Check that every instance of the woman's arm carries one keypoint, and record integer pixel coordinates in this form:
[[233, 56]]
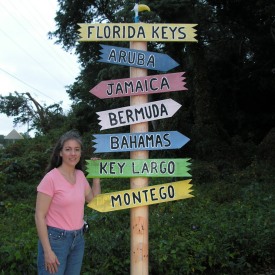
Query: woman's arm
[[95, 190], [43, 202], [92, 192]]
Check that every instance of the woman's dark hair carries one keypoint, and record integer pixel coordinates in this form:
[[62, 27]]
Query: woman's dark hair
[[56, 159]]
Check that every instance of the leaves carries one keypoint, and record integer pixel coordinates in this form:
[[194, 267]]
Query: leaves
[[26, 109]]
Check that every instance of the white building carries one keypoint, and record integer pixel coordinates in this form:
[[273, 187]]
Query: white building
[[13, 136]]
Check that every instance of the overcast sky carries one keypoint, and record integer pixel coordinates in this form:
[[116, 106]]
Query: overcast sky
[[29, 61]]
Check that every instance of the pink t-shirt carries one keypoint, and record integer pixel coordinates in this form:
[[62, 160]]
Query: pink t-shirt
[[66, 210]]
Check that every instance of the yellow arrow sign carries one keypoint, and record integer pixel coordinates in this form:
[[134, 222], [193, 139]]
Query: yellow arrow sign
[[142, 196], [137, 32]]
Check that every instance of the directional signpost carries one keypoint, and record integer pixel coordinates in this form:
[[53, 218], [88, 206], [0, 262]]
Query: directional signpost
[[139, 141], [128, 168], [139, 216], [142, 196], [138, 113], [135, 58], [153, 84], [137, 32]]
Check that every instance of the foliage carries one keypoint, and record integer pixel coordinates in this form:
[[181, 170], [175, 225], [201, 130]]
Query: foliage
[[107, 243], [23, 163], [228, 113], [26, 110], [229, 71], [215, 235], [227, 228], [18, 244]]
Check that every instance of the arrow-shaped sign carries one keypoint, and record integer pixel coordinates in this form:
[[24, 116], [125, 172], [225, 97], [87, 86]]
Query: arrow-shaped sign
[[154, 84], [137, 32], [139, 141], [137, 113], [137, 58], [127, 168], [142, 196]]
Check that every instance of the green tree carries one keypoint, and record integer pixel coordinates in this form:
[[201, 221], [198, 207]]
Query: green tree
[[27, 110], [230, 71]]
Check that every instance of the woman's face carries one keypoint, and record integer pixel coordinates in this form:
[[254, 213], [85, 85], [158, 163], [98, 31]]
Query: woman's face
[[71, 152]]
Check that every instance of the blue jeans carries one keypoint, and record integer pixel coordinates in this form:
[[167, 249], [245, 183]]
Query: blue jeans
[[68, 247]]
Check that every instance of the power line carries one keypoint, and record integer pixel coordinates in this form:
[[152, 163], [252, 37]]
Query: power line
[[53, 76], [55, 58], [41, 16], [18, 37], [15, 77], [43, 22]]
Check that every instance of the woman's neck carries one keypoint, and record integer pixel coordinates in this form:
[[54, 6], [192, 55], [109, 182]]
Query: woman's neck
[[67, 169], [68, 173]]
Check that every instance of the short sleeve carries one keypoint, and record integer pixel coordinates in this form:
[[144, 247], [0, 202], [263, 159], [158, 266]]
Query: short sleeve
[[46, 185]]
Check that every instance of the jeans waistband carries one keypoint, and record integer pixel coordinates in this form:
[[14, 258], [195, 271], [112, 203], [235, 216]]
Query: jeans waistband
[[66, 232]]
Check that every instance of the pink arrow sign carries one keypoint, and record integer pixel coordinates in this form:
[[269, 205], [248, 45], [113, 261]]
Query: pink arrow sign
[[153, 84], [137, 113]]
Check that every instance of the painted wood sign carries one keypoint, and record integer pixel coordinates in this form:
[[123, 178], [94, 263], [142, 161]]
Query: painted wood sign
[[160, 193], [137, 58], [139, 141], [127, 168], [137, 32], [137, 113], [146, 85]]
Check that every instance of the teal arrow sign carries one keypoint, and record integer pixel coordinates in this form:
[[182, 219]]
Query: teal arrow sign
[[137, 58], [139, 141]]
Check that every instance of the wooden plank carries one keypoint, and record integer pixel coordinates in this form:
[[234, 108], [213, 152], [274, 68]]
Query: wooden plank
[[126, 142], [137, 113], [142, 196], [137, 58], [128, 168], [153, 84], [137, 32]]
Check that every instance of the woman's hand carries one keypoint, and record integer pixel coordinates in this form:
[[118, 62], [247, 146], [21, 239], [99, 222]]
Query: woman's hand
[[94, 158], [96, 180], [51, 262]]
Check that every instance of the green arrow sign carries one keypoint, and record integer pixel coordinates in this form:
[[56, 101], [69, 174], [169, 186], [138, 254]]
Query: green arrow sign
[[128, 168]]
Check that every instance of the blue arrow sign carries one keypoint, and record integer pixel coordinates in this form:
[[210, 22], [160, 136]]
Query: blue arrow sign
[[137, 58], [139, 141]]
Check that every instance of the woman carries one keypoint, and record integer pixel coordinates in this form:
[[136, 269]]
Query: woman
[[60, 209]]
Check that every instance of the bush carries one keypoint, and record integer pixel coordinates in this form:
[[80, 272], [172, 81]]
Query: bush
[[207, 234], [18, 243], [204, 235], [107, 243]]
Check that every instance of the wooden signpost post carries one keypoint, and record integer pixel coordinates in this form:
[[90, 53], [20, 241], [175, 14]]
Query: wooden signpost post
[[139, 215], [139, 141]]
